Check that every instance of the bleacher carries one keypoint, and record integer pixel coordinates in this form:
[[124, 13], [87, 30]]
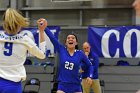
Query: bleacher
[[45, 76], [118, 79]]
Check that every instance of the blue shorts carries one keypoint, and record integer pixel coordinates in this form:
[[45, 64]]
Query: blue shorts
[[69, 87], [7, 86]]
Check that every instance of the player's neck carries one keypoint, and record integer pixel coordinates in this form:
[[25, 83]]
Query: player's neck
[[71, 51]]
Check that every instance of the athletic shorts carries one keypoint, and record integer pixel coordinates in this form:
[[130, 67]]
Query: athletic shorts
[[69, 87], [7, 86]]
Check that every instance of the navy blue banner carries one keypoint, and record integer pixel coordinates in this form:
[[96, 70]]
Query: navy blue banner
[[115, 42]]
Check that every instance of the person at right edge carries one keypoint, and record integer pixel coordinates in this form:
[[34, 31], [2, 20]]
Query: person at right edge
[[136, 6], [95, 62]]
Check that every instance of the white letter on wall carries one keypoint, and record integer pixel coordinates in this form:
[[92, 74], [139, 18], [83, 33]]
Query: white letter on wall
[[127, 43], [105, 43]]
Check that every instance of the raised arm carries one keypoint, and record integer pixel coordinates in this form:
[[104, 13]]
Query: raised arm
[[33, 49], [42, 25], [136, 5]]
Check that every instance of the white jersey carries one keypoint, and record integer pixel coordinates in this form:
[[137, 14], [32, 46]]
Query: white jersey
[[13, 52], [28, 33]]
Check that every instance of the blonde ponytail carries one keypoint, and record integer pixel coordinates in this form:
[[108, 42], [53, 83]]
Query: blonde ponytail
[[13, 21]]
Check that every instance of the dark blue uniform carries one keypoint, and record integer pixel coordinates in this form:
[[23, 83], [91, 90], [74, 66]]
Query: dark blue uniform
[[95, 62], [69, 66]]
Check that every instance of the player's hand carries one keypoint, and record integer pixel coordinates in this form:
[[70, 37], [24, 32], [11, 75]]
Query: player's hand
[[42, 24], [136, 5], [88, 81]]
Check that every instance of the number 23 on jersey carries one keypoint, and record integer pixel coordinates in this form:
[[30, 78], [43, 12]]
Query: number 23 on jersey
[[69, 65]]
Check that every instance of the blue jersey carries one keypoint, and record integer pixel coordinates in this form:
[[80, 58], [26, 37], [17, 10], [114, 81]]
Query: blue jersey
[[95, 62], [69, 65]]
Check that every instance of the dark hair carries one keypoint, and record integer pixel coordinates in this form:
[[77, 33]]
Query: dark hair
[[76, 47]]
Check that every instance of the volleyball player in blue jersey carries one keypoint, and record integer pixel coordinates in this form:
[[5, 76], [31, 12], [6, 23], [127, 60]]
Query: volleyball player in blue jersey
[[70, 63], [13, 49], [95, 62]]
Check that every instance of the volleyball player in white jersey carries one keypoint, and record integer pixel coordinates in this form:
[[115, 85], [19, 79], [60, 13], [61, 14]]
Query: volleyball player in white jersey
[[13, 49]]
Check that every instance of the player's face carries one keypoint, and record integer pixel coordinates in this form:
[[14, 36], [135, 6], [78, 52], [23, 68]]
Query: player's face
[[71, 41], [86, 47], [136, 6]]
